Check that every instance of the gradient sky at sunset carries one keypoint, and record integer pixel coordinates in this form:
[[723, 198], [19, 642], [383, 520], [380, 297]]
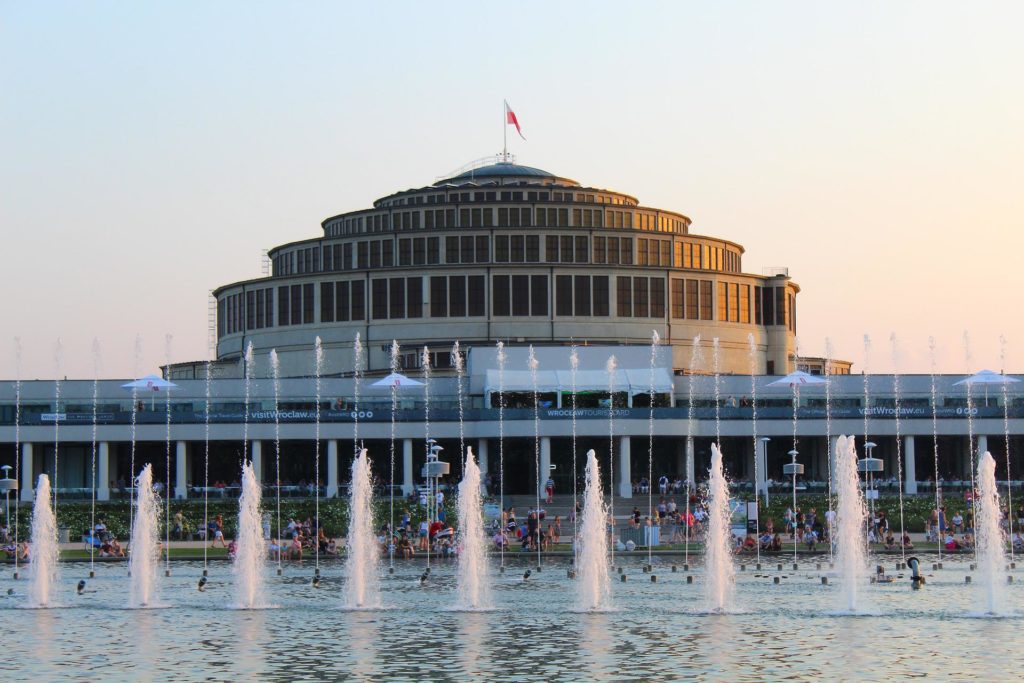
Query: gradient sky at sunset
[[151, 151]]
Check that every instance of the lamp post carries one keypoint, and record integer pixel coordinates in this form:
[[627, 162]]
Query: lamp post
[[868, 465], [7, 485], [793, 468]]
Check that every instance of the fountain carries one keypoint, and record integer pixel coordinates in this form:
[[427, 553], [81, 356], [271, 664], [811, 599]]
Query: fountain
[[718, 567], [275, 373], [362, 590], [44, 572], [248, 568], [851, 519], [145, 555], [473, 592], [593, 588], [990, 543]]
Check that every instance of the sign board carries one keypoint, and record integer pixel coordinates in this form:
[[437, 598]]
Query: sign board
[[871, 494]]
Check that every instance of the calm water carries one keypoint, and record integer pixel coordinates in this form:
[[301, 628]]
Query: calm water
[[787, 631]]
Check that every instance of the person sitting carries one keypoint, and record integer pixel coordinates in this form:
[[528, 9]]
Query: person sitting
[[295, 550], [890, 541], [501, 540], [232, 548], [332, 547], [749, 543], [907, 545], [950, 542], [766, 541], [810, 538], [115, 548], [776, 543], [1018, 541]]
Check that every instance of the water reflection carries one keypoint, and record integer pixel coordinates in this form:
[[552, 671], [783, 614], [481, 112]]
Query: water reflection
[[473, 648], [362, 636]]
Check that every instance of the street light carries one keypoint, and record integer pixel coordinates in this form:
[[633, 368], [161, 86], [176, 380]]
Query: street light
[[793, 468], [869, 465], [7, 485]]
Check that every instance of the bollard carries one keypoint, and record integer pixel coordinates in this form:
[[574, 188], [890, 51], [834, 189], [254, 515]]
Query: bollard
[[622, 578], [207, 573], [775, 580], [686, 567], [15, 576], [743, 567], [167, 572], [940, 565], [92, 574], [1013, 565], [674, 569], [278, 571], [654, 578], [619, 569], [824, 581], [831, 565], [818, 566], [501, 569], [973, 566], [758, 566], [967, 579], [795, 566], [935, 565], [879, 569], [1009, 579], [391, 570], [780, 567], [316, 572], [689, 579]]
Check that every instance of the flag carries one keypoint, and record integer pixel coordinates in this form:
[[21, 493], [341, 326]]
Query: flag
[[510, 119]]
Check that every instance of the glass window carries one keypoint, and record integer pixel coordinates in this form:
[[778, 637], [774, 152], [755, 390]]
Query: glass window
[[347, 260], [379, 291], [327, 302], [414, 297], [358, 300], [439, 297], [641, 251], [563, 295], [723, 302], [678, 302], [539, 295], [363, 254], [734, 302], [757, 305], [666, 252], [521, 295], [626, 245], [567, 250], [533, 248], [467, 249], [433, 250], [307, 304], [613, 250], [601, 295], [451, 249], [476, 295], [396, 309], [419, 248], [582, 295], [375, 254], [405, 252], [780, 306], [250, 310], [502, 301], [744, 303], [503, 216], [641, 300], [518, 248], [582, 249], [341, 309], [387, 253], [457, 296], [599, 249], [705, 300], [482, 249], [296, 304], [692, 310], [624, 296], [501, 249], [551, 248]]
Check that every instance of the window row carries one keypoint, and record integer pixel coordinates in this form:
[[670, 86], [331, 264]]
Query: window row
[[526, 295]]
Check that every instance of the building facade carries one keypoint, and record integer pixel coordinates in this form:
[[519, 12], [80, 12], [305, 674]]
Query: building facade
[[505, 252]]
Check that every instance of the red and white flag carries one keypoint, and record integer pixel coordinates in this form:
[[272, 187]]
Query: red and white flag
[[510, 119]]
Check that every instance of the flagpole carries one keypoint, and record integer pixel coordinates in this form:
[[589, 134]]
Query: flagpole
[[504, 131]]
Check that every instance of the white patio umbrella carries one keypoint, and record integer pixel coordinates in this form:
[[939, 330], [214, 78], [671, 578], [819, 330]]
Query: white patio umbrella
[[151, 383], [397, 379], [797, 378]]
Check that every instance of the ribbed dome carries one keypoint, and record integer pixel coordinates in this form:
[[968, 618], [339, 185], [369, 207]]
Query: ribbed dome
[[504, 169]]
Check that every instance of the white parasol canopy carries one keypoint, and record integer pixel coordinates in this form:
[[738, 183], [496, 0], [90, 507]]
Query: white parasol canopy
[[150, 383], [798, 378], [986, 377], [397, 379]]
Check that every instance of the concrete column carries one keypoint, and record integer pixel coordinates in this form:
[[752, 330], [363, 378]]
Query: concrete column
[[27, 475], [909, 465], [680, 458], [690, 466], [967, 461], [332, 468], [256, 456], [832, 459], [181, 470], [982, 448], [625, 468], [103, 472], [545, 463], [407, 484]]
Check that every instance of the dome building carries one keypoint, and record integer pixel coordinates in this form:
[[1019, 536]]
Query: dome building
[[504, 252]]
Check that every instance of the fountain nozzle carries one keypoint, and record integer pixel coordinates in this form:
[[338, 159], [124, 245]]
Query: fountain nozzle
[[916, 578], [81, 586], [423, 578], [316, 581], [202, 584], [526, 575]]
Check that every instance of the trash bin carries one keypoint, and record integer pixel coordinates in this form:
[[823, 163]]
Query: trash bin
[[64, 534]]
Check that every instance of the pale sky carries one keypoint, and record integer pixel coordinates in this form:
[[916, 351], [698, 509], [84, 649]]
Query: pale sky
[[151, 151]]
